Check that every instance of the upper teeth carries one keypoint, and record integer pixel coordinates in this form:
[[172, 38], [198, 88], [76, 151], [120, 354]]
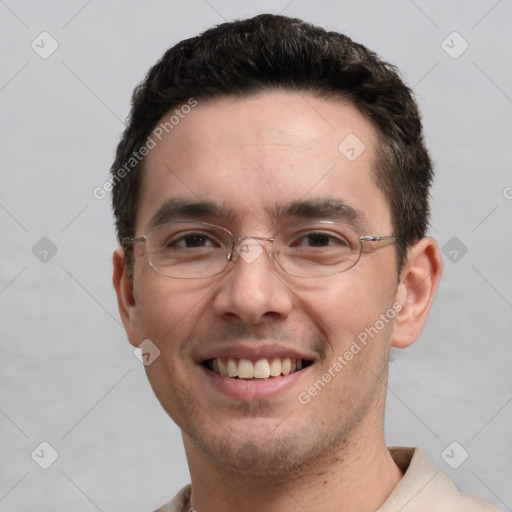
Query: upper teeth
[[260, 369]]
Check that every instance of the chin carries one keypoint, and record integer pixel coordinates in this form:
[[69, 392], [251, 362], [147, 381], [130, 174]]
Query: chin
[[273, 450]]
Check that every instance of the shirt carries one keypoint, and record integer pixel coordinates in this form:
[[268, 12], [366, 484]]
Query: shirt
[[423, 488]]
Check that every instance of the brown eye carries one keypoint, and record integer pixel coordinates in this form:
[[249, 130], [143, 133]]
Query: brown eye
[[320, 239], [191, 240]]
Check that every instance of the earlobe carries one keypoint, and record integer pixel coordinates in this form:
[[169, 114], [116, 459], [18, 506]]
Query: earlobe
[[125, 297], [416, 291]]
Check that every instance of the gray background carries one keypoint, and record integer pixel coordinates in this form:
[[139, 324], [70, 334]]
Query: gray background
[[68, 375]]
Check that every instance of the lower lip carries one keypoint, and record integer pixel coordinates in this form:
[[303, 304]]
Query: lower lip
[[253, 389]]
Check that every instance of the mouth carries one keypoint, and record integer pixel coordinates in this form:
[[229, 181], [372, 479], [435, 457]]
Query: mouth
[[255, 370]]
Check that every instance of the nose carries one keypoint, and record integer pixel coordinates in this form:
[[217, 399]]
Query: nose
[[253, 289]]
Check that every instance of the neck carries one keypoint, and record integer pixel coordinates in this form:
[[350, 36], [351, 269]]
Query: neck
[[357, 475]]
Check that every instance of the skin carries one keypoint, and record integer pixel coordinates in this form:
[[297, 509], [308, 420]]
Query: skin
[[248, 155]]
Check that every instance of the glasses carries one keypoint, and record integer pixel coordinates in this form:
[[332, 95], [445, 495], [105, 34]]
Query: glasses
[[196, 250]]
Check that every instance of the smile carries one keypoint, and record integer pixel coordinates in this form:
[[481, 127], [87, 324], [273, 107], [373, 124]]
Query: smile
[[260, 369]]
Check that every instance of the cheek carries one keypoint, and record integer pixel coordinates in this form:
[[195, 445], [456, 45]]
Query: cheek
[[349, 307], [169, 310], [346, 303], [352, 318]]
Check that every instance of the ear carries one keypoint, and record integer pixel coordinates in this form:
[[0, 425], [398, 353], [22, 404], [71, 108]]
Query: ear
[[418, 284], [125, 298]]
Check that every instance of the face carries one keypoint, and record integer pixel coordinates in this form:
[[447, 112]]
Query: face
[[254, 165]]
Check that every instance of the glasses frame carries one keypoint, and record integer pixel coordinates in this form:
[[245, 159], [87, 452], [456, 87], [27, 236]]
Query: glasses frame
[[236, 241]]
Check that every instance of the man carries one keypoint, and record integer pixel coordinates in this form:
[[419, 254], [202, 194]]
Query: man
[[271, 197]]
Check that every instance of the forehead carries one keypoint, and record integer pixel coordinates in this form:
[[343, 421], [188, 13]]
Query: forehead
[[254, 156]]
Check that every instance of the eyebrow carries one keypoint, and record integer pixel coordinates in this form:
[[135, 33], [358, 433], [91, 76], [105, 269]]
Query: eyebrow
[[177, 209], [333, 209]]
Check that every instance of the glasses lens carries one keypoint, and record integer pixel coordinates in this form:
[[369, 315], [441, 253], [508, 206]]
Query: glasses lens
[[188, 250], [317, 249]]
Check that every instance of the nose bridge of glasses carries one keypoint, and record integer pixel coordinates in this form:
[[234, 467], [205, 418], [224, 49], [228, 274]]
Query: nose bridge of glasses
[[248, 247]]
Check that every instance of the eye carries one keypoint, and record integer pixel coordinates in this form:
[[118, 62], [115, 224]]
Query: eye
[[320, 239], [191, 240]]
